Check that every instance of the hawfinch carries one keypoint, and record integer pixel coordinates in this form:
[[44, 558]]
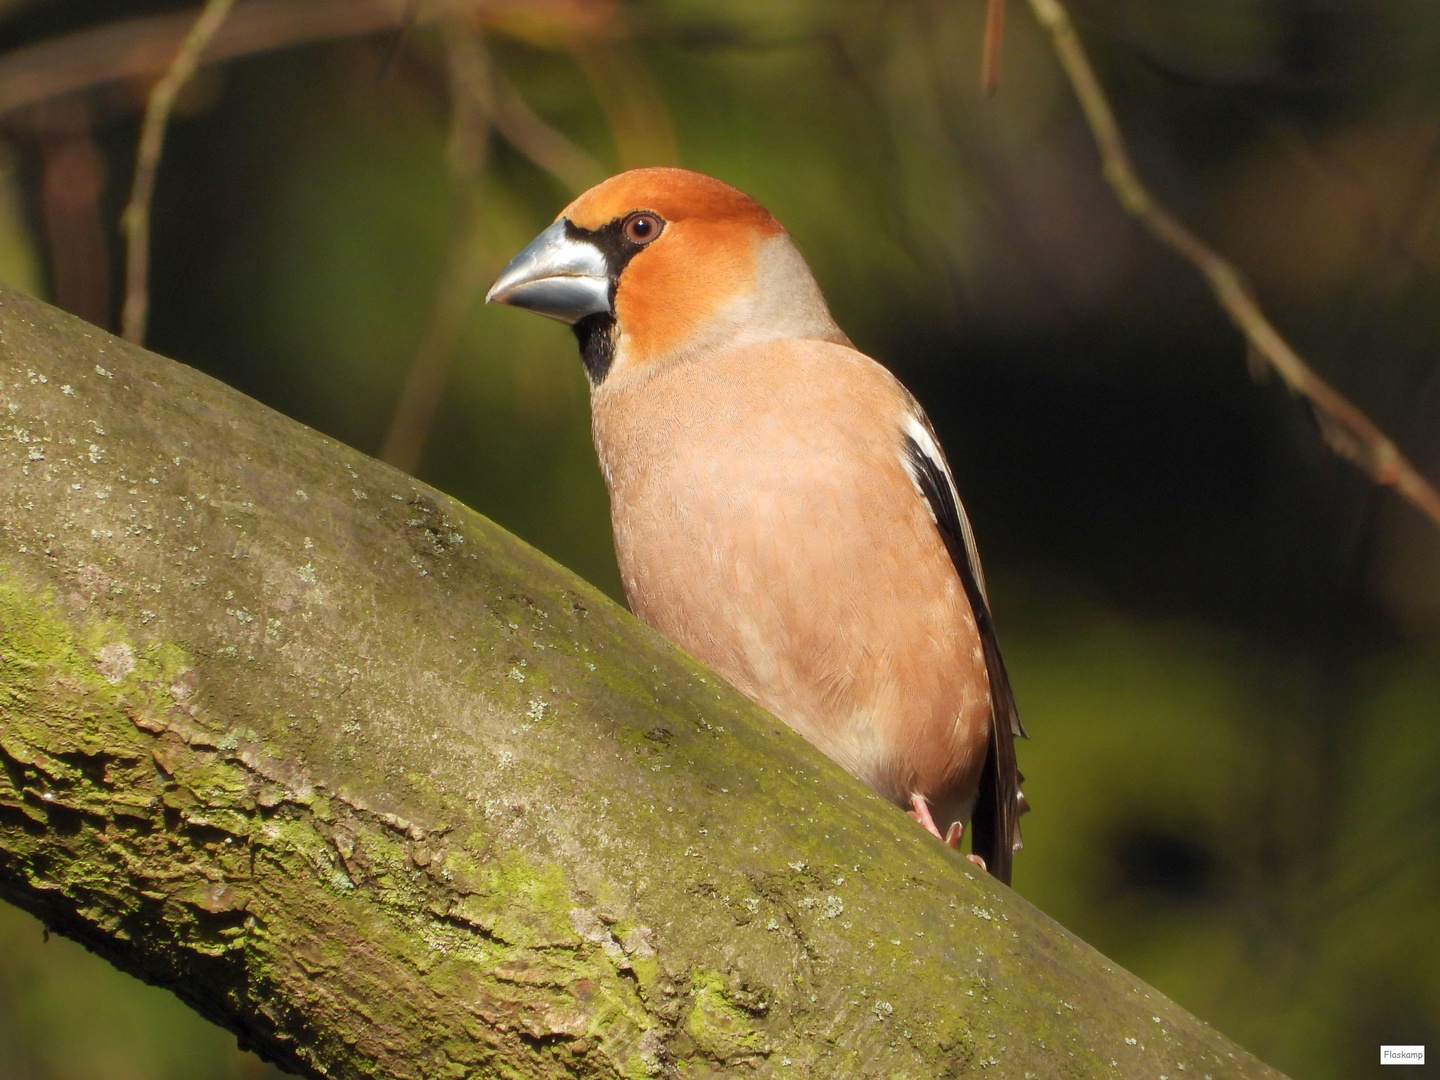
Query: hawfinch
[[781, 506]]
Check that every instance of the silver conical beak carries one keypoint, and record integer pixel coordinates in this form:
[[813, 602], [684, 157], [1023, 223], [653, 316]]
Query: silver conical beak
[[555, 275]]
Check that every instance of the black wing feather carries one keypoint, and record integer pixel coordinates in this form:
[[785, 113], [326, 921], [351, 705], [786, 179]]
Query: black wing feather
[[995, 826]]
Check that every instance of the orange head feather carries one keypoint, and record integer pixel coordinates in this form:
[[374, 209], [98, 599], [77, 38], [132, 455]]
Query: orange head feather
[[704, 257], [656, 264], [675, 194]]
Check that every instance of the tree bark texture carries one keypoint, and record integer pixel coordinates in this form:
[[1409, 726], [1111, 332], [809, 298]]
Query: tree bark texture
[[389, 794]]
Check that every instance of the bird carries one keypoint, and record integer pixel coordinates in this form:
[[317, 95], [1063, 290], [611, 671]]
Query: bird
[[780, 503]]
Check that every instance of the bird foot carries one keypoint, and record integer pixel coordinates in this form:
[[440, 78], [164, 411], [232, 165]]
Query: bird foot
[[951, 837], [921, 812]]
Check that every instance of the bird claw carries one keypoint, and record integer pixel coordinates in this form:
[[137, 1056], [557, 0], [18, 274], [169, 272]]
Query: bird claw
[[921, 812], [978, 861]]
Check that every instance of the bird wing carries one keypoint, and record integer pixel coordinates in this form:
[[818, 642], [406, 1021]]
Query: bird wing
[[995, 826]]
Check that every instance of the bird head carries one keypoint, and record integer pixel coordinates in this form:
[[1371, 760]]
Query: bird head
[[655, 265]]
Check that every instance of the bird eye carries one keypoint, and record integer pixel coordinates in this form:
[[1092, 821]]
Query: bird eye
[[641, 228]]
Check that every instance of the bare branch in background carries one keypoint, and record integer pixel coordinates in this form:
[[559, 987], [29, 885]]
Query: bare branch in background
[[471, 77], [398, 42], [633, 107], [177, 44], [72, 178], [480, 97], [994, 44], [143, 48], [468, 264], [1348, 431], [136, 220], [524, 129]]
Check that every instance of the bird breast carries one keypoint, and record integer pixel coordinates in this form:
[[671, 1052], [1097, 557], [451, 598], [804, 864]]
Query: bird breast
[[764, 521]]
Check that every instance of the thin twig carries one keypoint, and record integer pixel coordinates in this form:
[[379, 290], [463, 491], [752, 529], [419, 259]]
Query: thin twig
[[994, 44], [468, 264], [398, 42], [633, 107], [143, 47], [1347, 429], [471, 76], [524, 129], [136, 219], [480, 97]]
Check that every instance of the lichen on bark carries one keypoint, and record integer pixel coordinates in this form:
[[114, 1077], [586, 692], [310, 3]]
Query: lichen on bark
[[389, 794]]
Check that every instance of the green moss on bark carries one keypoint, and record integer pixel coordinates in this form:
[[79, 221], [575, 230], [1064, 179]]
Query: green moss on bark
[[389, 794]]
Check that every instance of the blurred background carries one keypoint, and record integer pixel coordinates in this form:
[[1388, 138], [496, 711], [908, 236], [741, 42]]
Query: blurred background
[[1225, 642]]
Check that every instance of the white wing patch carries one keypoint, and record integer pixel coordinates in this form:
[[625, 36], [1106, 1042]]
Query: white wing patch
[[924, 438]]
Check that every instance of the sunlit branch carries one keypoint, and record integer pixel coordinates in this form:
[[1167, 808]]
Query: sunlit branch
[[1348, 431], [416, 887], [136, 220]]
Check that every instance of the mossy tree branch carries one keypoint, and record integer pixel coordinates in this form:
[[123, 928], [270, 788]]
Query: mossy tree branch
[[376, 786]]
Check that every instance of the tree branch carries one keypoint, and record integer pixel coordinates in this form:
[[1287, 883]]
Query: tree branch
[[389, 794], [634, 110], [468, 263], [524, 129], [135, 221], [1347, 429], [994, 44], [142, 48], [479, 98]]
